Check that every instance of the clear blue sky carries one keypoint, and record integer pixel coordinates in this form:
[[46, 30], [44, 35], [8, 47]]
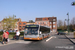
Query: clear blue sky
[[30, 9]]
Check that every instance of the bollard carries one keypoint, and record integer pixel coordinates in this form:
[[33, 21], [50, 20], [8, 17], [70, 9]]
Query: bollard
[[74, 34]]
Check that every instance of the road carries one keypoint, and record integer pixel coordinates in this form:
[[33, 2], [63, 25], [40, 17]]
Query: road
[[56, 42]]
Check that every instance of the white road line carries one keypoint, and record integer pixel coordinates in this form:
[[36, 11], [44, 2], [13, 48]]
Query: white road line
[[49, 39], [54, 36]]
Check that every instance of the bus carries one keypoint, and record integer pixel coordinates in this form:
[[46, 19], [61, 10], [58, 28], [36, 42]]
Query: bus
[[36, 32]]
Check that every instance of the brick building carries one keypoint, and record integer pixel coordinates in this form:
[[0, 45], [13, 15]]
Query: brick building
[[48, 21], [22, 25]]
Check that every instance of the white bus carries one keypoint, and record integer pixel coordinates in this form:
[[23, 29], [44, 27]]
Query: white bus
[[36, 32]]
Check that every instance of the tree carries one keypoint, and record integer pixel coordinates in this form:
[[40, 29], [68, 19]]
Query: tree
[[65, 27], [73, 23], [9, 23], [59, 24], [31, 21]]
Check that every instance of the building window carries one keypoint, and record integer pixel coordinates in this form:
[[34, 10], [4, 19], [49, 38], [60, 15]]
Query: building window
[[24, 23], [50, 26], [23, 26], [53, 25], [53, 19], [37, 22], [45, 19], [20, 26], [54, 30], [43, 22], [20, 29], [53, 22], [20, 23], [40, 22], [50, 23]]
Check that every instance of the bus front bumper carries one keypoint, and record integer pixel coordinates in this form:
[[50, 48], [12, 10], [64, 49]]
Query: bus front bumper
[[33, 38]]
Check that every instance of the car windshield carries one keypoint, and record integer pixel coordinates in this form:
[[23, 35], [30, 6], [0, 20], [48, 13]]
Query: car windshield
[[31, 31]]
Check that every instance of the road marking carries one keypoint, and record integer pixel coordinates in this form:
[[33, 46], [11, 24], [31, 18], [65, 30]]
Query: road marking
[[54, 36], [49, 39]]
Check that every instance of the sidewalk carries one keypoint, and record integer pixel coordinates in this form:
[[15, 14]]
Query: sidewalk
[[11, 41], [71, 37]]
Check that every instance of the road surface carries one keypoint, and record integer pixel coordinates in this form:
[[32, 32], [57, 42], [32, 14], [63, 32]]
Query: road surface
[[56, 42]]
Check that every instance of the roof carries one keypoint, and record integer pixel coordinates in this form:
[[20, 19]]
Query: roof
[[30, 22], [48, 18]]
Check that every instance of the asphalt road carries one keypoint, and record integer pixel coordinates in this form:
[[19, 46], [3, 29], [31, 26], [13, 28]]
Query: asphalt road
[[57, 42]]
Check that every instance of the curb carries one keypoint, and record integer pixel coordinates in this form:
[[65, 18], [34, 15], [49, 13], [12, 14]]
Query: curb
[[70, 39]]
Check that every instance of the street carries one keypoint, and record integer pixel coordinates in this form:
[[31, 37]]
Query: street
[[57, 42]]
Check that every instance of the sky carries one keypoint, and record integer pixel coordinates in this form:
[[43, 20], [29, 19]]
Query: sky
[[31, 9]]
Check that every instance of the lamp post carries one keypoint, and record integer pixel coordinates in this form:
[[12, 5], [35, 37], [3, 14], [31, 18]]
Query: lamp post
[[73, 4], [68, 22]]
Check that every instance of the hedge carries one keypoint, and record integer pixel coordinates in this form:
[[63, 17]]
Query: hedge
[[12, 33]]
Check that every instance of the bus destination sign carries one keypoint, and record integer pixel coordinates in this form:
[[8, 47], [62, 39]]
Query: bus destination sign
[[32, 26]]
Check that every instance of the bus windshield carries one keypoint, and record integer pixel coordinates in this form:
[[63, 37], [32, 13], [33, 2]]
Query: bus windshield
[[31, 31]]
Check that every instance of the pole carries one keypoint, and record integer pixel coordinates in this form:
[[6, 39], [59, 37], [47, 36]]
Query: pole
[[68, 23]]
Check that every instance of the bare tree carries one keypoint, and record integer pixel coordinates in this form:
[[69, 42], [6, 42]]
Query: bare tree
[[60, 23], [73, 22], [65, 27]]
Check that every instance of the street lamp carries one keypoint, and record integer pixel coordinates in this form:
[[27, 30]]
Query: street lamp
[[68, 22], [73, 4]]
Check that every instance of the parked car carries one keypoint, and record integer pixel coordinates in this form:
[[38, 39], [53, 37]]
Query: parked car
[[61, 33]]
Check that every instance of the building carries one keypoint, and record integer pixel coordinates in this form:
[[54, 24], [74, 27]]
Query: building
[[47, 21], [30, 23], [21, 25], [16, 24]]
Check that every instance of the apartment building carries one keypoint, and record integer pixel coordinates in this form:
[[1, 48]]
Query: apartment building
[[21, 25], [16, 24], [47, 21]]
